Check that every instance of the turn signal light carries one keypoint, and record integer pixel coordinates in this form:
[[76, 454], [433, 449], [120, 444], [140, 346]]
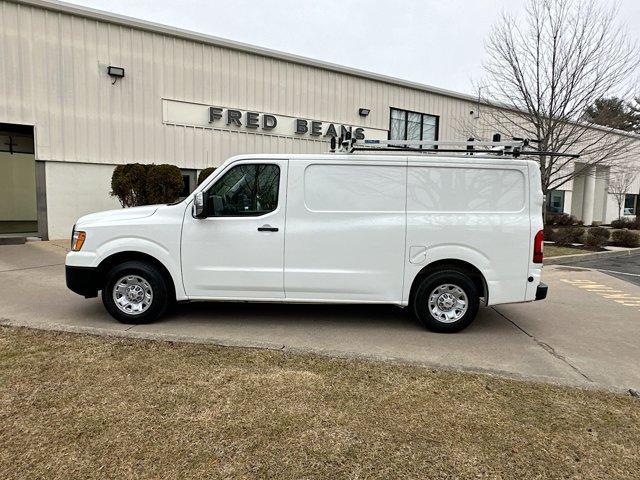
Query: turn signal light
[[77, 240], [538, 243]]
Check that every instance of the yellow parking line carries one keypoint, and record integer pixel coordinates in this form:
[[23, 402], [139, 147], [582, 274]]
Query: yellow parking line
[[597, 288], [625, 296], [604, 291]]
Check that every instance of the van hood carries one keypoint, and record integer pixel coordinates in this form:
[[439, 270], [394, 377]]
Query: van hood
[[120, 214]]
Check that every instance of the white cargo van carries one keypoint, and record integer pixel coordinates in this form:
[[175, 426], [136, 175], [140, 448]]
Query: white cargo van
[[433, 233]]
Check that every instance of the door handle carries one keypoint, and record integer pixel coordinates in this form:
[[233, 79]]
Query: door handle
[[267, 228]]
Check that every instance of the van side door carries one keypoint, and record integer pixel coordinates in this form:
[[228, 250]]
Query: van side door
[[345, 238], [237, 251]]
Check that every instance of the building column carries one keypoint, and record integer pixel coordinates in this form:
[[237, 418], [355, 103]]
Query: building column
[[589, 196], [41, 199]]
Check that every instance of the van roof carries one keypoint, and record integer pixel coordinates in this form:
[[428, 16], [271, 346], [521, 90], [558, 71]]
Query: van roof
[[476, 159]]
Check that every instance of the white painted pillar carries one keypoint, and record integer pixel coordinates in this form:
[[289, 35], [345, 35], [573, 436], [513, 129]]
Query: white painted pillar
[[589, 196]]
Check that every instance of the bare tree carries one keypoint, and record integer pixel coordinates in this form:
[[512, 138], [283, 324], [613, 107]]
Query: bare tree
[[619, 185], [543, 73]]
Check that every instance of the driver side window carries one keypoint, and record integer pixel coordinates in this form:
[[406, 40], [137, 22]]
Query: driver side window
[[245, 190]]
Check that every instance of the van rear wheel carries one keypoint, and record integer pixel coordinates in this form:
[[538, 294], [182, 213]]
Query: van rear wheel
[[134, 292], [446, 301]]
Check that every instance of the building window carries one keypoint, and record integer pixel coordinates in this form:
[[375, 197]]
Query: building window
[[555, 201], [405, 125], [630, 204]]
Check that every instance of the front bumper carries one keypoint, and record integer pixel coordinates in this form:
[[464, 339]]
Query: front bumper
[[541, 291], [82, 280]]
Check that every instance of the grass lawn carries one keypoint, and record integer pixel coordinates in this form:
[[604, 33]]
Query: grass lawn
[[557, 251], [75, 406]]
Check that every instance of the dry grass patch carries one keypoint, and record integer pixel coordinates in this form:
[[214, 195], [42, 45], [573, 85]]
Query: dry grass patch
[[557, 251], [74, 406]]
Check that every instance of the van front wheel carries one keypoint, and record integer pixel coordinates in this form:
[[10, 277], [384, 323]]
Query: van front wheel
[[446, 301], [134, 292]]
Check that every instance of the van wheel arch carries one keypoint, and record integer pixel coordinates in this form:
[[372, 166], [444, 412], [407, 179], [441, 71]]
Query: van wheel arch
[[121, 257], [451, 264]]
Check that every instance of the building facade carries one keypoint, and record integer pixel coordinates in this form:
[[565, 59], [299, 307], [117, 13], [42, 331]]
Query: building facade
[[173, 96]]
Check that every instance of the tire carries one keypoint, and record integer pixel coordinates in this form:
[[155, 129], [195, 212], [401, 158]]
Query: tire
[[447, 287], [147, 289]]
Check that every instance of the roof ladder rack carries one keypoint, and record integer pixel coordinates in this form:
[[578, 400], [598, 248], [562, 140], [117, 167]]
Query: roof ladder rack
[[514, 147]]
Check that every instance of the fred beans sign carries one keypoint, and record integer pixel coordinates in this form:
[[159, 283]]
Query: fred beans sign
[[231, 119]]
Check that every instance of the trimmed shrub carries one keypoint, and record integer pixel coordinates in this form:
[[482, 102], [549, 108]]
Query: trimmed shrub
[[626, 238], [569, 235], [128, 183], [621, 223], [164, 184], [562, 219], [202, 176], [549, 233], [597, 237]]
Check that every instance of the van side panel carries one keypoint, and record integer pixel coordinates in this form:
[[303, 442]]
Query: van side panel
[[345, 233], [478, 213]]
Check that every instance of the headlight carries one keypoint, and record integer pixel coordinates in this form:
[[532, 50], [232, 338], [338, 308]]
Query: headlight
[[77, 240]]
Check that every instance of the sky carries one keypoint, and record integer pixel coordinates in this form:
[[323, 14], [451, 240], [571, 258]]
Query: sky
[[434, 42]]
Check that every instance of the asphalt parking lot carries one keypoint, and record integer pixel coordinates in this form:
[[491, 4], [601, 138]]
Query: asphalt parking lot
[[626, 268], [587, 332]]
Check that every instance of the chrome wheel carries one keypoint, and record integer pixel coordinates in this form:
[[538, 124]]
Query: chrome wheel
[[132, 294], [448, 303]]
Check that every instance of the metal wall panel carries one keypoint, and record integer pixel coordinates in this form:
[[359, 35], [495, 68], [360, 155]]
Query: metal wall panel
[[54, 77]]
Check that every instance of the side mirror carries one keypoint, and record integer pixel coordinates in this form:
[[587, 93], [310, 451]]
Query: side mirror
[[198, 206]]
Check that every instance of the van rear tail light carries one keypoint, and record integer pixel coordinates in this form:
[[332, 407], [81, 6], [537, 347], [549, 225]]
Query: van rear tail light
[[538, 243]]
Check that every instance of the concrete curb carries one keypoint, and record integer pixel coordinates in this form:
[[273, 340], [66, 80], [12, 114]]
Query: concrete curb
[[587, 257], [163, 337], [132, 334]]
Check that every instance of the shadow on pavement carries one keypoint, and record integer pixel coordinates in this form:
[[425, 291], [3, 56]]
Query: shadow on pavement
[[312, 315]]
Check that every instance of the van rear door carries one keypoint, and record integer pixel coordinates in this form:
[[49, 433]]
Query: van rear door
[[345, 234]]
